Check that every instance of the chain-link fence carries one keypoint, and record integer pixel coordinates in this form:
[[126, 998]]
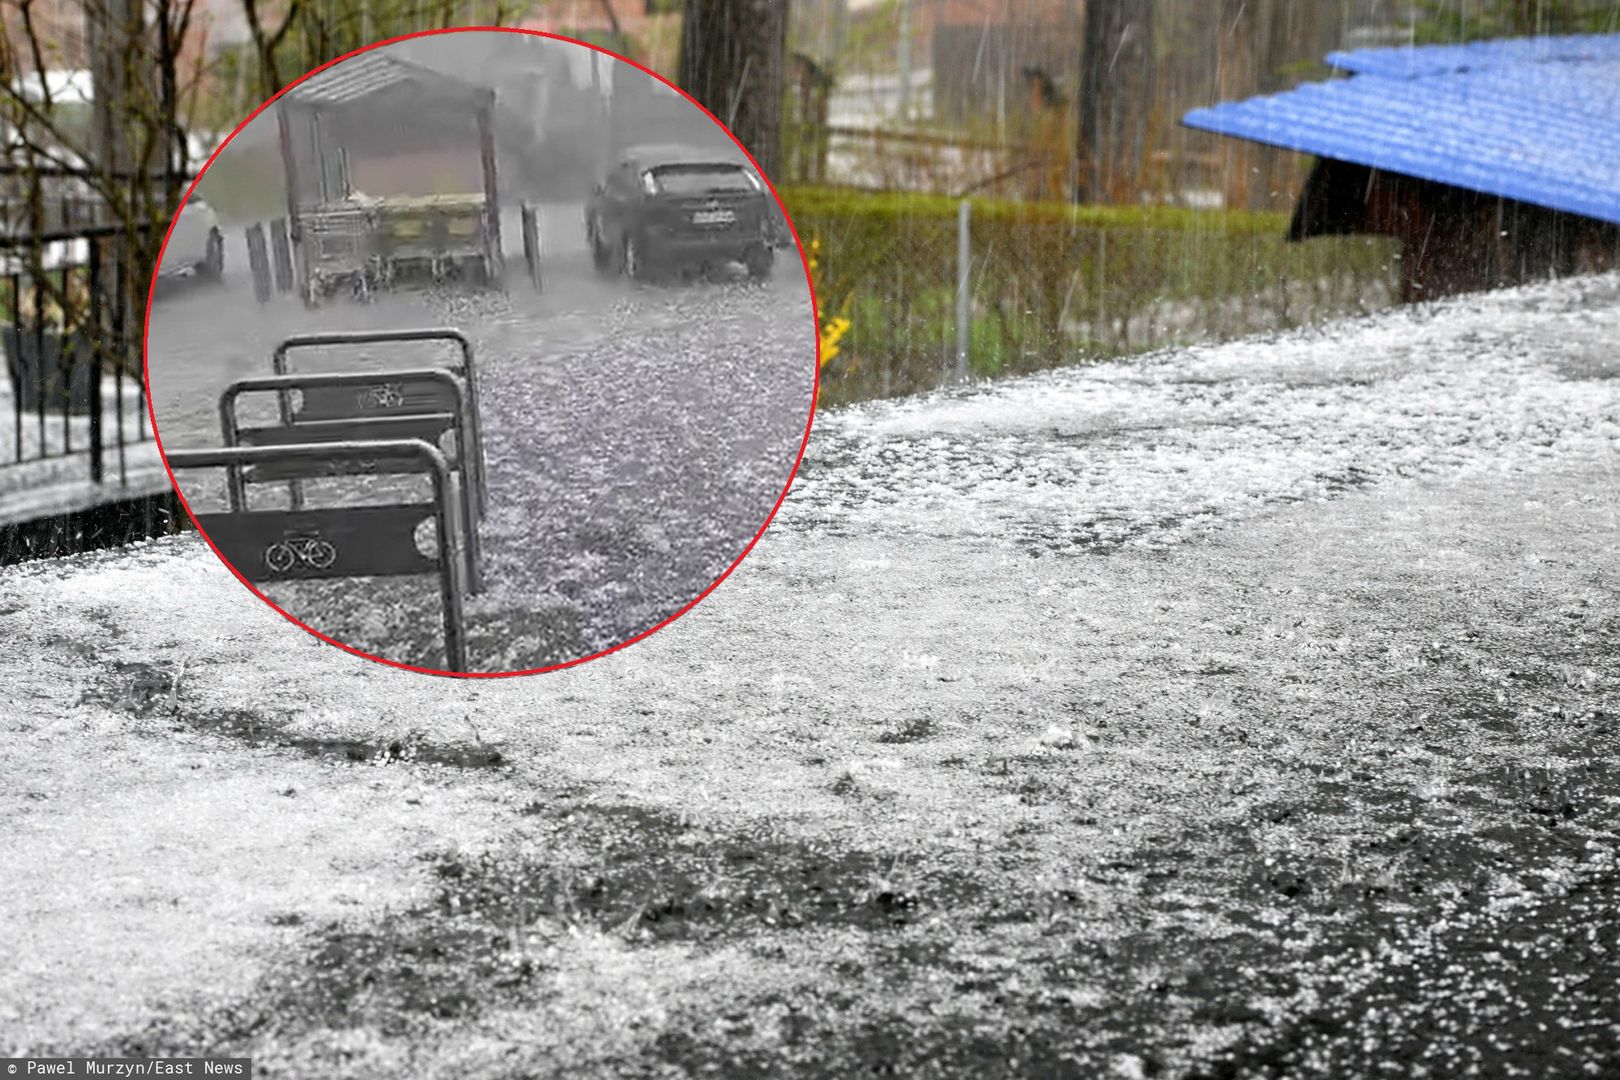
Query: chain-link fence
[[1049, 284]]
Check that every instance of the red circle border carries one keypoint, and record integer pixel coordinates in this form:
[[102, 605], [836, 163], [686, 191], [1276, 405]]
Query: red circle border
[[804, 442]]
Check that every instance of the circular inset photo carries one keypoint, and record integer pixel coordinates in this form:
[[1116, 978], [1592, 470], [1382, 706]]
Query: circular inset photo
[[481, 352]]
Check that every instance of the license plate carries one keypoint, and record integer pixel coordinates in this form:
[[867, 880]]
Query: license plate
[[714, 217]]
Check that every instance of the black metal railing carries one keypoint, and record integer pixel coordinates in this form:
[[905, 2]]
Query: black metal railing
[[21, 216], [71, 320]]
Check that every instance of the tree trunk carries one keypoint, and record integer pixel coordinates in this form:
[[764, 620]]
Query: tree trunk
[[1116, 69], [122, 85], [133, 147], [733, 56]]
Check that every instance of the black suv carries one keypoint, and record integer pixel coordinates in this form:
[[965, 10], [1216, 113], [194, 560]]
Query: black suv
[[669, 210]]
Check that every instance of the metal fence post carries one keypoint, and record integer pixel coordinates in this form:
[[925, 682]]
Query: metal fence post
[[259, 262], [964, 295], [531, 244], [281, 248], [97, 359]]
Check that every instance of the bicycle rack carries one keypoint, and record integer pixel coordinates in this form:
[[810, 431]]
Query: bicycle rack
[[320, 407], [344, 542], [398, 396]]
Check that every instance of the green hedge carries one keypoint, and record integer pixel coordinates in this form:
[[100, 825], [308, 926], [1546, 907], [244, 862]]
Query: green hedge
[[1054, 283], [887, 205]]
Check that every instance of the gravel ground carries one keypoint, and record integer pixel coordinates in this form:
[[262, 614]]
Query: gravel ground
[[1240, 712], [637, 439]]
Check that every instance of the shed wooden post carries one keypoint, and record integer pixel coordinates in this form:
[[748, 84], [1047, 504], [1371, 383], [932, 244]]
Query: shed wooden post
[[492, 197], [289, 164]]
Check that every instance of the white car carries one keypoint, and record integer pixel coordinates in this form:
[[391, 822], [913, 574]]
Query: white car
[[196, 247]]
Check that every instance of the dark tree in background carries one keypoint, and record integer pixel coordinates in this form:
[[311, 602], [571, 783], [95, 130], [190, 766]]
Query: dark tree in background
[[1116, 87], [733, 55]]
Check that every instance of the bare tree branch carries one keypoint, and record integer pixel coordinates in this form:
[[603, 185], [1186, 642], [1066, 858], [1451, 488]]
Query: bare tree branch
[[267, 44], [38, 56]]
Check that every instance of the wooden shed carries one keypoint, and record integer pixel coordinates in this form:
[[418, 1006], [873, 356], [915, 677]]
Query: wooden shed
[[1493, 163]]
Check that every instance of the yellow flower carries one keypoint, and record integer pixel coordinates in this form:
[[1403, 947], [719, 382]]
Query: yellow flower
[[833, 327], [832, 331]]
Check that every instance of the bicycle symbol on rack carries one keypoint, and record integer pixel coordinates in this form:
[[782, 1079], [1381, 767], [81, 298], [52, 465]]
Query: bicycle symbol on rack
[[291, 551], [385, 396]]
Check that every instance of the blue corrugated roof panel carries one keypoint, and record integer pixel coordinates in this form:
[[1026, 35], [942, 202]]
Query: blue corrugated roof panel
[[1408, 61], [1536, 120]]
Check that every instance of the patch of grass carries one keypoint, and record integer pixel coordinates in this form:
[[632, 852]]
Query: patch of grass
[[915, 729], [659, 879], [146, 690], [653, 879]]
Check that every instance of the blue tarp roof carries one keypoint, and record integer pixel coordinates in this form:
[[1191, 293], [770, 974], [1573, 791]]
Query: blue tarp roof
[[1532, 119]]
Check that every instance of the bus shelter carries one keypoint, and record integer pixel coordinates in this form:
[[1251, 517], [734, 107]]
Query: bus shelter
[[390, 173]]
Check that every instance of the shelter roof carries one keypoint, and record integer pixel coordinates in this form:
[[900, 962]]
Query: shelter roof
[[368, 74]]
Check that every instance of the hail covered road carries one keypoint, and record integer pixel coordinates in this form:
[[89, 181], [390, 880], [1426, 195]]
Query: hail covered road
[[1245, 711]]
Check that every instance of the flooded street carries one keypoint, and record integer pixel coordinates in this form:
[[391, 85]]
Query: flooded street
[[636, 437]]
